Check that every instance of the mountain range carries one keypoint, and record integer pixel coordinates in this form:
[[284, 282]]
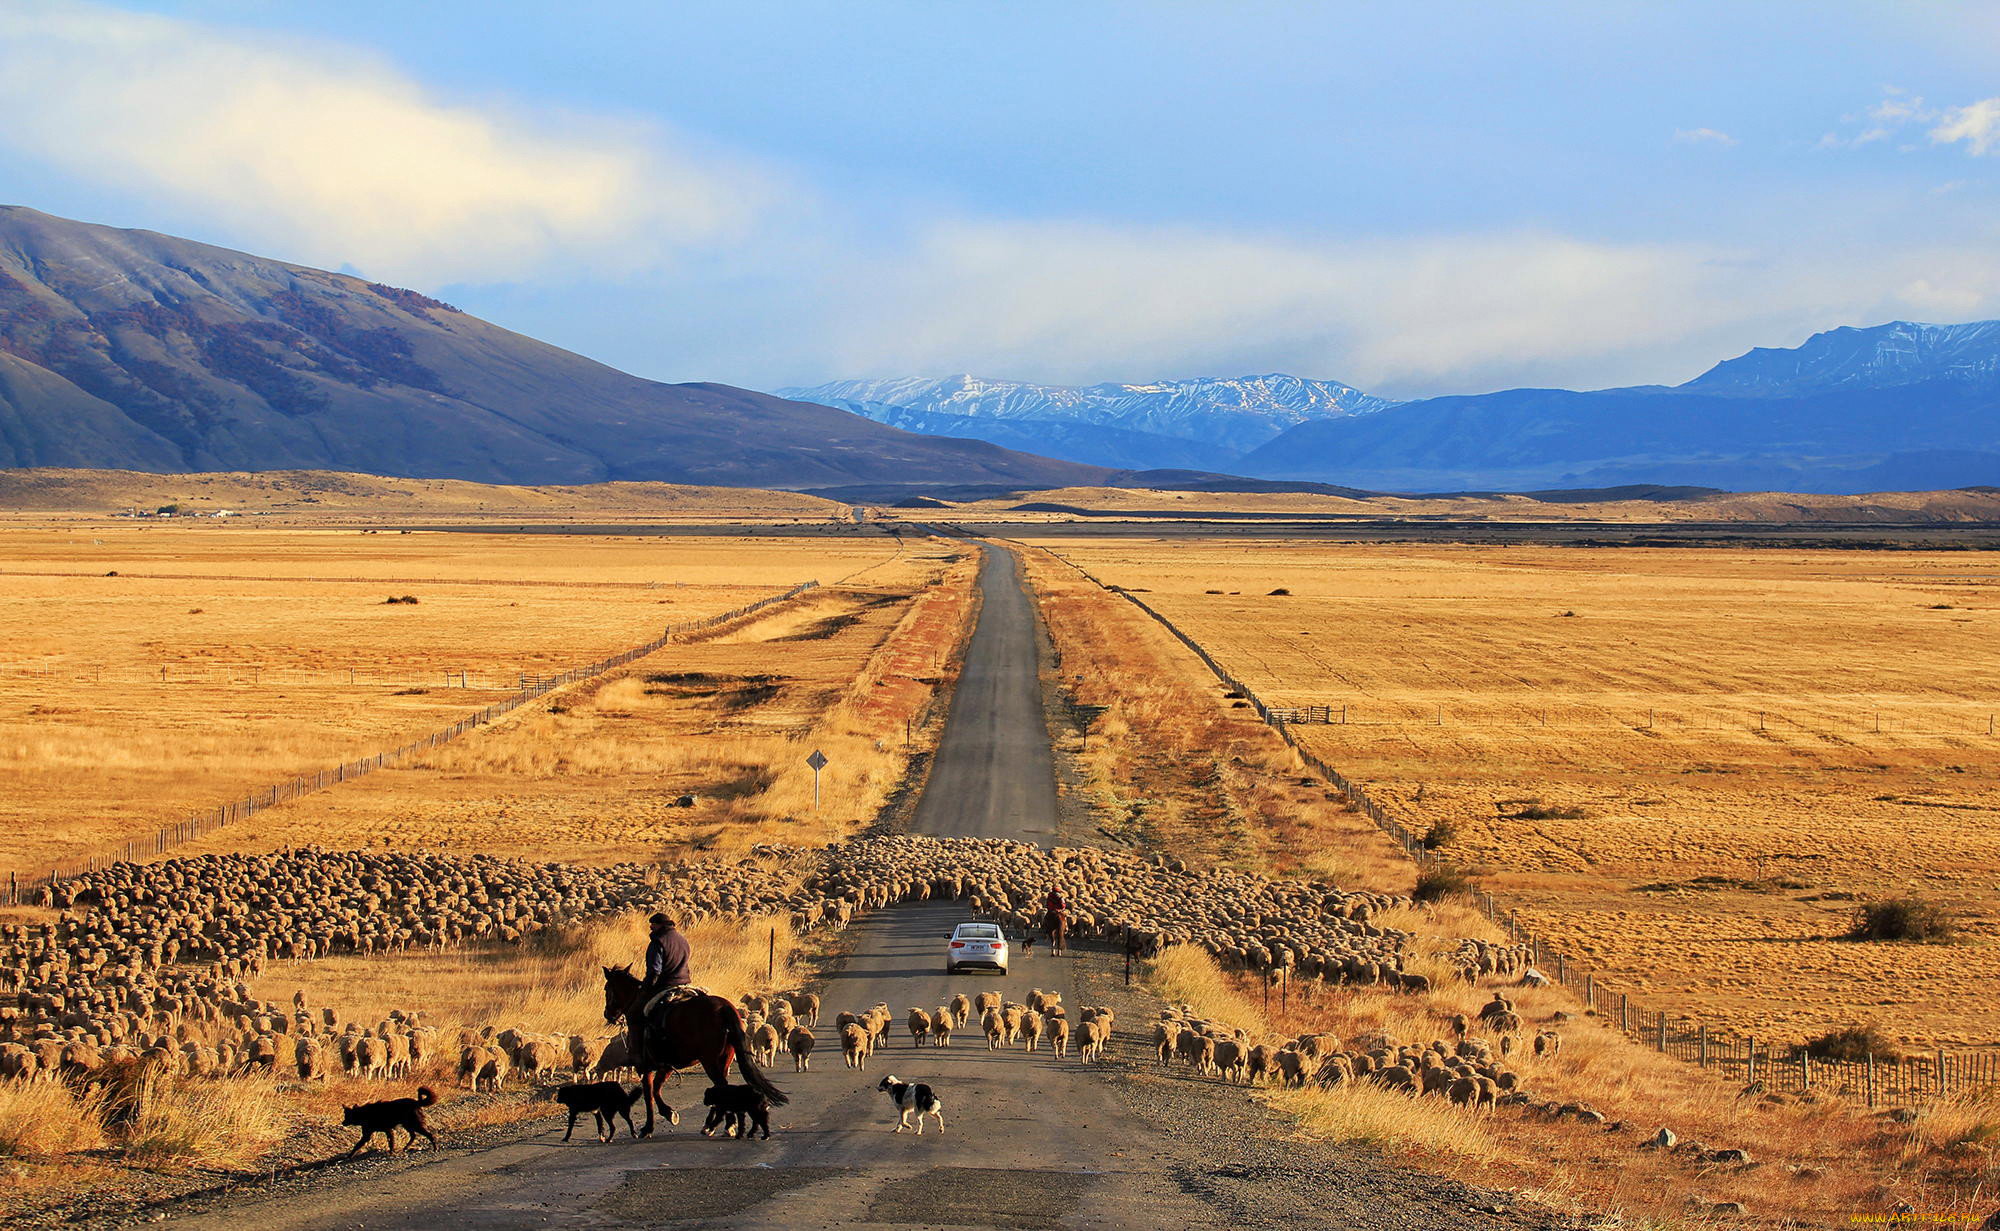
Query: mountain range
[[1899, 406], [1202, 423], [135, 350]]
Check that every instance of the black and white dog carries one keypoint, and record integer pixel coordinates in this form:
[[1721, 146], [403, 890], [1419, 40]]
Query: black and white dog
[[913, 1098]]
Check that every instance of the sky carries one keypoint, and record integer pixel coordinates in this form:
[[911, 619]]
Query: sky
[[1416, 198]]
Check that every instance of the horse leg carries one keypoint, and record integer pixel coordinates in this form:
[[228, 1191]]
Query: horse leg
[[646, 1087], [659, 1082]]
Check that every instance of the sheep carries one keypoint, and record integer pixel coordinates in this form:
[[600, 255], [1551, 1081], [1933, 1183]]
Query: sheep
[[1090, 1039], [986, 1001], [538, 1058], [855, 1044], [1548, 1044], [920, 1027], [1031, 1028], [1230, 1057], [806, 1006], [764, 1043], [1058, 1032], [995, 1026], [941, 1027], [310, 1058], [1291, 1067], [961, 1010], [493, 1073], [1166, 1035], [371, 1058], [801, 1045]]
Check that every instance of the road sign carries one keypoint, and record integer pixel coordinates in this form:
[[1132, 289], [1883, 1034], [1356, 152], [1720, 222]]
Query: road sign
[[818, 762]]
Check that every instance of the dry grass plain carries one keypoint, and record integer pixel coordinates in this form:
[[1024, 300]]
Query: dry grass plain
[[1818, 1164], [1944, 507], [591, 774], [1667, 760], [151, 670]]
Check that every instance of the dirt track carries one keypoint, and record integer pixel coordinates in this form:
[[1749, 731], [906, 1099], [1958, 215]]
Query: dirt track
[[1031, 1141]]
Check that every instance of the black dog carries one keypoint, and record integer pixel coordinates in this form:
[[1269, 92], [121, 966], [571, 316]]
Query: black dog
[[389, 1115], [740, 1109], [606, 1100]]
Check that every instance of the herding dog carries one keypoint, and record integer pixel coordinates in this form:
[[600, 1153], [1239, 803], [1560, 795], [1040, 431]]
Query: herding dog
[[913, 1099], [741, 1111], [389, 1115], [605, 1100]]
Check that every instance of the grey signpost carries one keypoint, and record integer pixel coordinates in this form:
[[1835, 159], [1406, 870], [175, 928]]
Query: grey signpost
[[818, 761]]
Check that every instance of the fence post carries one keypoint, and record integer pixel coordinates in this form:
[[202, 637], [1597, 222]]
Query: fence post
[[1805, 1069], [771, 959], [1942, 1091], [1704, 1045], [1590, 991], [1663, 1032], [1871, 1079], [1750, 1068], [1624, 1013]]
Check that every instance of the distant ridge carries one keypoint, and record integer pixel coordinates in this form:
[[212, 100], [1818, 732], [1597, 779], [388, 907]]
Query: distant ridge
[[134, 350], [1895, 407], [1201, 423]]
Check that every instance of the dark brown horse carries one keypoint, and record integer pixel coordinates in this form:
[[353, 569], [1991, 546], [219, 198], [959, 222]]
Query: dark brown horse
[[704, 1030], [1056, 924]]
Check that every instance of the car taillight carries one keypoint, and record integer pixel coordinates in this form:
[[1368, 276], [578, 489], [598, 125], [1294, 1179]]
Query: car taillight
[[958, 944]]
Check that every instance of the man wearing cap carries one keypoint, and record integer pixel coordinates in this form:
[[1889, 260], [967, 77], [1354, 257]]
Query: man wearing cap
[[667, 960]]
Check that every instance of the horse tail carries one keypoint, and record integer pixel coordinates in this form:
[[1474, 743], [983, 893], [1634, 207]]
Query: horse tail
[[753, 1074]]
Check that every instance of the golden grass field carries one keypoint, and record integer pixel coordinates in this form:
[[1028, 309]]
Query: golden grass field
[[152, 670], [1709, 715], [588, 773], [1813, 1164], [1939, 507], [309, 495]]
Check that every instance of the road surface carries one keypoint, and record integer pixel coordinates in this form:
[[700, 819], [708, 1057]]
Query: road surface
[[1030, 1140]]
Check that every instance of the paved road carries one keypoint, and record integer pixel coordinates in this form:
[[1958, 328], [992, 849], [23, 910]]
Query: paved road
[[994, 776], [1030, 1141]]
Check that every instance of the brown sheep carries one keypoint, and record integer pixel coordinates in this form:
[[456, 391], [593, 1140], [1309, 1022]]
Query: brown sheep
[[920, 1027], [801, 1045], [806, 1006], [855, 1044]]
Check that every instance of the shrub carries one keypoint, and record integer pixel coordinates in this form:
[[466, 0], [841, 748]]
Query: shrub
[[395, 599], [1536, 810], [1850, 1043], [1280, 590], [1903, 919], [1441, 881], [1441, 831]]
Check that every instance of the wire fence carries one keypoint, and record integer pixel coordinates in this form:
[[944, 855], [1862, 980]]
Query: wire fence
[[1890, 1081], [1585, 716], [211, 819]]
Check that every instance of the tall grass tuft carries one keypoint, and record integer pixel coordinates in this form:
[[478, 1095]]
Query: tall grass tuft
[[45, 1119], [228, 1121]]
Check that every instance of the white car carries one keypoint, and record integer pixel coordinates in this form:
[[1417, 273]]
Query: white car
[[976, 944]]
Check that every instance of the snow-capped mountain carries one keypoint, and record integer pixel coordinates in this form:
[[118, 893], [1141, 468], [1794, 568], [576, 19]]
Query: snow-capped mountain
[[1900, 406], [1225, 417], [1879, 357]]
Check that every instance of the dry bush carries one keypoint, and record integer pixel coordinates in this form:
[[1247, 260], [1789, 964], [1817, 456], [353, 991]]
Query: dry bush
[[1440, 881], [1904, 919], [1851, 1043], [1388, 1120], [46, 1119], [228, 1121]]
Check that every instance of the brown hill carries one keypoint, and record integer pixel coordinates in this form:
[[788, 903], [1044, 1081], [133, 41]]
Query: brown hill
[[321, 492], [134, 350]]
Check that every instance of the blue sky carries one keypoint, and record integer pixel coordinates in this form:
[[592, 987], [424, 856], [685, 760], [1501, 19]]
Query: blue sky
[[1417, 198]]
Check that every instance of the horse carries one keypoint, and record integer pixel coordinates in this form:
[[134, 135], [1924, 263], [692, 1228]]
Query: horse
[[704, 1030], [1056, 924]]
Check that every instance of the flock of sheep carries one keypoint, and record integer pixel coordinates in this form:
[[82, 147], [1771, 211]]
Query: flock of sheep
[[150, 963]]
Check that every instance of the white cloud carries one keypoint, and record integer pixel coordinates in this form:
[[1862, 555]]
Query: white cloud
[[1700, 136], [1088, 302], [330, 157], [1976, 124]]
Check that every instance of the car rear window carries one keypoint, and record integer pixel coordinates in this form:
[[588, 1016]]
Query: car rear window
[[979, 932]]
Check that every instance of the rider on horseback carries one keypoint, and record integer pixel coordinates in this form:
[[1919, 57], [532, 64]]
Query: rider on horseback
[[1055, 917], [668, 956]]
